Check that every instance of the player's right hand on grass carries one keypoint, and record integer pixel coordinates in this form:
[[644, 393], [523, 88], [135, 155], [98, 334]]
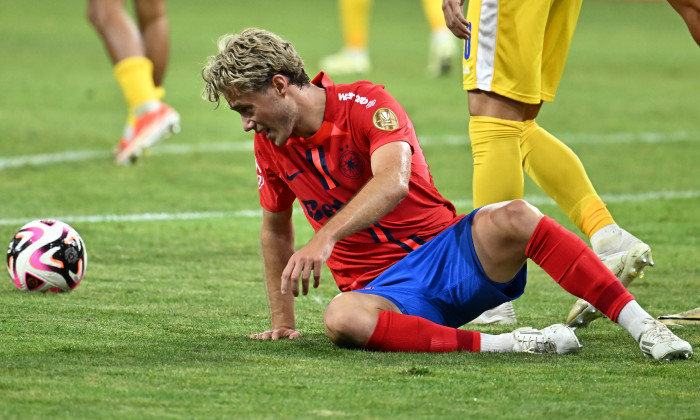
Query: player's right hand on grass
[[277, 334]]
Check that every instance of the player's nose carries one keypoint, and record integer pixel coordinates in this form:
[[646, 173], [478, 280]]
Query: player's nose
[[248, 124]]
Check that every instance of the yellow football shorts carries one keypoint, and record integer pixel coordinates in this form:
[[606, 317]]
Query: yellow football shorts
[[518, 48]]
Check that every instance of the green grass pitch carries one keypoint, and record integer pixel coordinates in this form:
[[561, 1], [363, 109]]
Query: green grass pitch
[[158, 328]]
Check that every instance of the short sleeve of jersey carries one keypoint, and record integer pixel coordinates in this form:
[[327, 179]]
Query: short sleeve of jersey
[[275, 194], [381, 119]]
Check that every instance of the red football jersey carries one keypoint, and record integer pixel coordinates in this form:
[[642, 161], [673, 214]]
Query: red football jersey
[[326, 170]]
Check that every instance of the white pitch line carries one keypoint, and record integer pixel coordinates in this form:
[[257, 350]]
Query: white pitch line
[[238, 145], [165, 149], [245, 214], [143, 217]]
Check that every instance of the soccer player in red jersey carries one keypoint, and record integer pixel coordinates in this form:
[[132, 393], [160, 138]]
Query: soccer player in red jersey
[[409, 268]]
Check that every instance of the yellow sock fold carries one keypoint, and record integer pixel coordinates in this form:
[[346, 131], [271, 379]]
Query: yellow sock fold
[[135, 76], [498, 173], [559, 172]]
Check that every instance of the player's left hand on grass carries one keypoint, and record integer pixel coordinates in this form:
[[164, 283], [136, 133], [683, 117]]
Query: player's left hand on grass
[[308, 259], [277, 334]]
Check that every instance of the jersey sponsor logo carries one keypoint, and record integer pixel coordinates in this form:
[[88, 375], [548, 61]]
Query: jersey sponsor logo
[[318, 212], [292, 176], [351, 164], [385, 119], [261, 179], [350, 96]]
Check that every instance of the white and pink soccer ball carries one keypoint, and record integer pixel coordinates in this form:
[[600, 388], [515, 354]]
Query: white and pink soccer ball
[[46, 256]]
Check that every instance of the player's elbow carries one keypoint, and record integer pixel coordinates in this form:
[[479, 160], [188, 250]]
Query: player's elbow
[[399, 187]]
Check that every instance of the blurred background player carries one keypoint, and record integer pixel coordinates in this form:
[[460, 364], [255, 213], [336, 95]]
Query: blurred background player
[[354, 57], [690, 12], [513, 60], [140, 57]]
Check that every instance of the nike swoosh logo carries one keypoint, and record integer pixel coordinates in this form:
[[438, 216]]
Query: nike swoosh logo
[[292, 176]]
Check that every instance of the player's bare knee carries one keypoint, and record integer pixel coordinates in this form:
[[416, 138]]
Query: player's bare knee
[[519, 219], [93, 13], [98, 12], [150, 11], [345, 322], [336, 322]]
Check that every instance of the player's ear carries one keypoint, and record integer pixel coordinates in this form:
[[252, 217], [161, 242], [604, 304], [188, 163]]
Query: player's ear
[[279, 84]]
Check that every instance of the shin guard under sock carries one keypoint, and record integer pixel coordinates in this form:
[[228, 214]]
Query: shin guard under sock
[[569, 261], [408, 333]]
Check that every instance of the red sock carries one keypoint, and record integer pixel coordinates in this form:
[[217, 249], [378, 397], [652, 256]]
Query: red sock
[[399, 332], [576, 268]]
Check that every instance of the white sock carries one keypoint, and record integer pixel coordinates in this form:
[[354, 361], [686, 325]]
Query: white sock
[[605, 238], [500, 343], [146, 107], [631, 317]]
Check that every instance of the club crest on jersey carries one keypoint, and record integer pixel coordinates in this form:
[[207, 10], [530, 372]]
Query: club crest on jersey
[[385, 119], [351, 164]]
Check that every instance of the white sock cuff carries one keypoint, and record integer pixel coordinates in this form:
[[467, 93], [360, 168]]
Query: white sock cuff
[[631, 317], [497, 343]]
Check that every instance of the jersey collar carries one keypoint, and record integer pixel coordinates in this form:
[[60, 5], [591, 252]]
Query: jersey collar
[[321, 80]]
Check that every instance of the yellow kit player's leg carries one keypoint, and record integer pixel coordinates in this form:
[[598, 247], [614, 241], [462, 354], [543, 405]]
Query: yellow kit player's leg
[[354, 20], [433, 14], [150, 120], [559, 172], [498, 173], [354, 57], [443, 48], [517, 51], [135, 76]]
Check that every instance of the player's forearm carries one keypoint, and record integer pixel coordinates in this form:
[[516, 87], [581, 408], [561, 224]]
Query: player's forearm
[[391, 169], [277, 242], [377, 198]]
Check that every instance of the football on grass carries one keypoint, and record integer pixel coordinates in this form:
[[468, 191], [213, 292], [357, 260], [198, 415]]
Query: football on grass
[[46, 256]]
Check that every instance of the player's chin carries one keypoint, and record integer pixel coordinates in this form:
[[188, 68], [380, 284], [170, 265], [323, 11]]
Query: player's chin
[[279, 139]]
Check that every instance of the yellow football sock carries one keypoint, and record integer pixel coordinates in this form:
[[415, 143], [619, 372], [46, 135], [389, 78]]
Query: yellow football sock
[[498, 174], [135, 76], [434, 15], [559, 172], [354, 19]]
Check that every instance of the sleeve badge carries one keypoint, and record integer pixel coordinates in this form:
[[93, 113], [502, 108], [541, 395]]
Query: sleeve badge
[[385, 119]]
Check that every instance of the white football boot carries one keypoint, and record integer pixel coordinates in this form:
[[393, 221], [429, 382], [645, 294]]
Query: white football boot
[[556, 339], [661, 344], [347, 62], [442, 53], [625, 255], [501, 314], [158, 121]]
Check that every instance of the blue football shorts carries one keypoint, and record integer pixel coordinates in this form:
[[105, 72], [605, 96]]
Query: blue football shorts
[[443, 280]]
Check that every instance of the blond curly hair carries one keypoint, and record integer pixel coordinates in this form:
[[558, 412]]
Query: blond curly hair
[[247, 62]]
